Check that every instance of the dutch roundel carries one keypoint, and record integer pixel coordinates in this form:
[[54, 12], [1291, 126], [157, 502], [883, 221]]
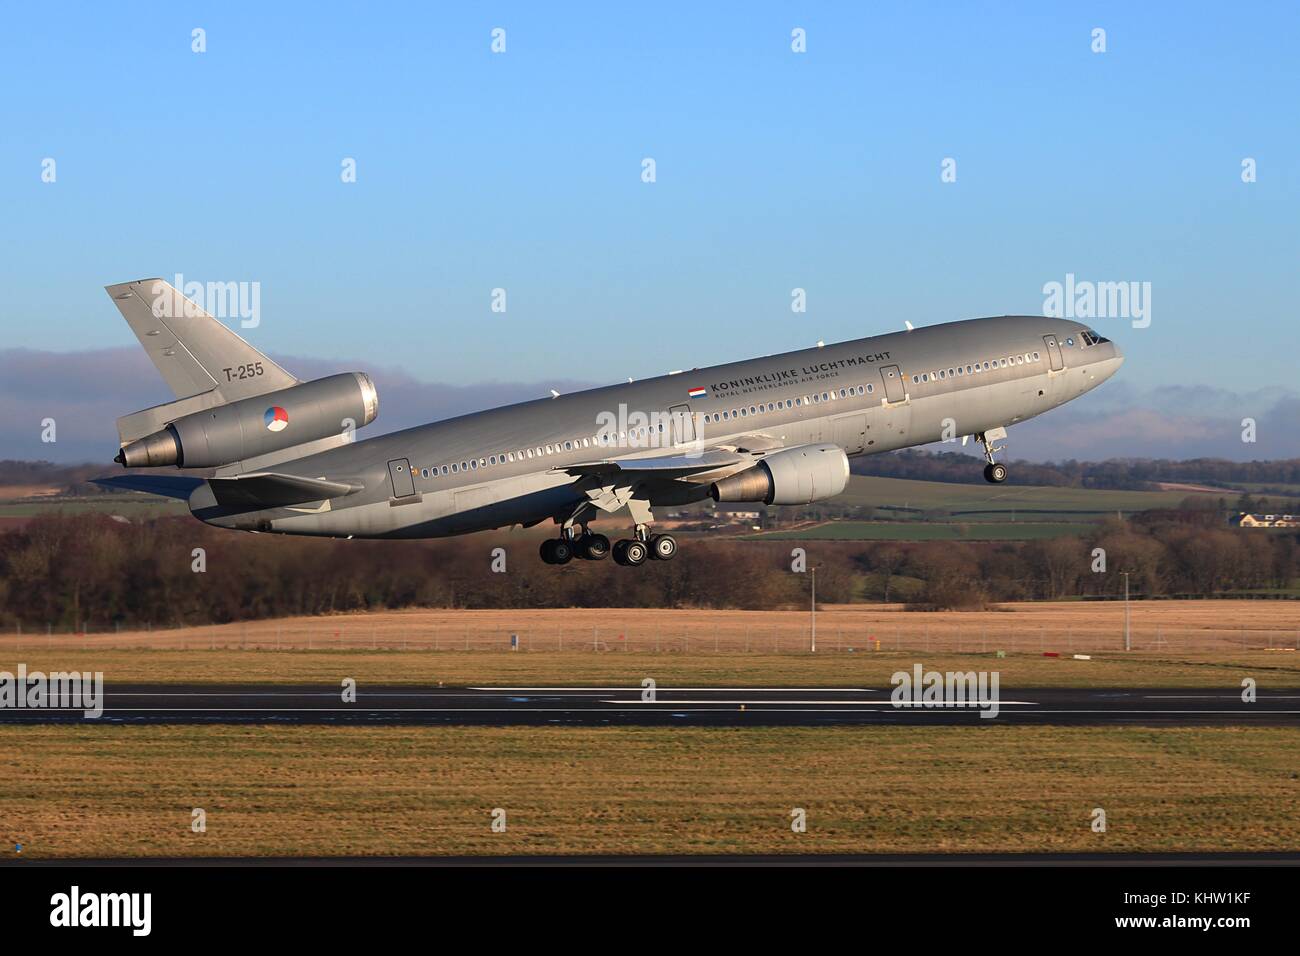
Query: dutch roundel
[[276, 418]]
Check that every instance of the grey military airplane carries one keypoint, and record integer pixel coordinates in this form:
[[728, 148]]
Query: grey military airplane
[[283, 455]]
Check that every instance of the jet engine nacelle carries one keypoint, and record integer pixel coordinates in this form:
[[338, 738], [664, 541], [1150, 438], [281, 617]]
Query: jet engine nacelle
[[258, 425], [794, 476]]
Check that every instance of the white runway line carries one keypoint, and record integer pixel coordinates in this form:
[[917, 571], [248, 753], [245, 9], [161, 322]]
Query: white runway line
[[774, 690], [1218, 697], [935, 705]]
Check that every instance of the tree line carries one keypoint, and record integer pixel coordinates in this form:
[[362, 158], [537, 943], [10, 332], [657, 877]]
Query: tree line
[[1123, 474], [69, 571]]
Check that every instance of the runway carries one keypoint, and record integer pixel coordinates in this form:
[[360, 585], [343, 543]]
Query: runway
[[665, 706]]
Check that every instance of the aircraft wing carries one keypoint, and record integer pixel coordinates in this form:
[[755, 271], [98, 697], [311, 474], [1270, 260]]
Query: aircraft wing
[[664, 466]]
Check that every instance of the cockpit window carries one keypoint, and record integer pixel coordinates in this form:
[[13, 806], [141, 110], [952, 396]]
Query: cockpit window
[[1092, 338]]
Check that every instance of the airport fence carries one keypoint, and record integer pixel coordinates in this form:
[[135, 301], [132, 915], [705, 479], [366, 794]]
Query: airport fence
[[356, 633]]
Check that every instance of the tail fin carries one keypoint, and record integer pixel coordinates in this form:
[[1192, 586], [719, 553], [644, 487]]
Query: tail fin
[[194, 352], [204, 363]]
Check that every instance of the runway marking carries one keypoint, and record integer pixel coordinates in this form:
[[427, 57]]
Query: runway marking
[[361, 692], [35, 711], [863, 703], [774, 690], [1218, 697]]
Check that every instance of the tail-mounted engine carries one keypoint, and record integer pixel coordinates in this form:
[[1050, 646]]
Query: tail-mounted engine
[[258, 425]]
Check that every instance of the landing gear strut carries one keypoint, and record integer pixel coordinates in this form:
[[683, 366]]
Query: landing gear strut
[[994, 472], [629, 552]]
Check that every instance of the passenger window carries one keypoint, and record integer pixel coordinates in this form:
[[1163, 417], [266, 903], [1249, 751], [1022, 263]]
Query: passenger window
[[454, 467]]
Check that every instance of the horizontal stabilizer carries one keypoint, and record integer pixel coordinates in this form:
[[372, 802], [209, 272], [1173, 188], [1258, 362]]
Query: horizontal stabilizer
[[149, 420], [168, 486], [270, 490]]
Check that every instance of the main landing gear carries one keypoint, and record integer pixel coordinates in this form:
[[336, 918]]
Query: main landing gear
[[587, 546], [629, 552], [632, 552], [994, 472]]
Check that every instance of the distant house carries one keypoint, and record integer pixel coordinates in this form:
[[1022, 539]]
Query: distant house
[[1267, 521]]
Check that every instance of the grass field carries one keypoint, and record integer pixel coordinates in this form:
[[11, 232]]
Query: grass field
[[130, 506], [1177, 627], [129, 791], [872, 492], [576, 668]]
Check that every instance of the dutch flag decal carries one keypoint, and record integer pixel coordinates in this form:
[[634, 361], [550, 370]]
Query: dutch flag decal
[[698, 392], [276, 418]]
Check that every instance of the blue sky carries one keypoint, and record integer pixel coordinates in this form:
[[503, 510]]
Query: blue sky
[[775, 170]]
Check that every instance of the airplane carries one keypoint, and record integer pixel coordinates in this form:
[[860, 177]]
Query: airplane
[[781, 429]]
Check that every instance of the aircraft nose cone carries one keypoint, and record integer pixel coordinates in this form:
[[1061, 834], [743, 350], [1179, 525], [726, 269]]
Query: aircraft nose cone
[[1110, 365]]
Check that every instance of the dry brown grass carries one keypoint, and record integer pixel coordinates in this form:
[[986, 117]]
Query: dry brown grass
[[460, 668], [129, 791], [1166, 626]]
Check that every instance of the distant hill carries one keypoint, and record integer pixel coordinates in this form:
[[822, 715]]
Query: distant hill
[[1119, 474]]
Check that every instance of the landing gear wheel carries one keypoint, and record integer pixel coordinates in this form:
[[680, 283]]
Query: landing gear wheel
[[556, 551], [593, 547], [995, 473], [630, 552], [663, 547]]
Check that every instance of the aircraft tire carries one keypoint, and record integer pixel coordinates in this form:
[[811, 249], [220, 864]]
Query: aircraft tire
[[594, 547], [663, 547]]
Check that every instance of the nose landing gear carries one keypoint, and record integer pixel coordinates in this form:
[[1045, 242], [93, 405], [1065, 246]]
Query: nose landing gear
[[994, 472]]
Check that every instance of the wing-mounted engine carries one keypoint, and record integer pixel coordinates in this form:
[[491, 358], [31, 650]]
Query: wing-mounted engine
[[258, 425], [795, 476]]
